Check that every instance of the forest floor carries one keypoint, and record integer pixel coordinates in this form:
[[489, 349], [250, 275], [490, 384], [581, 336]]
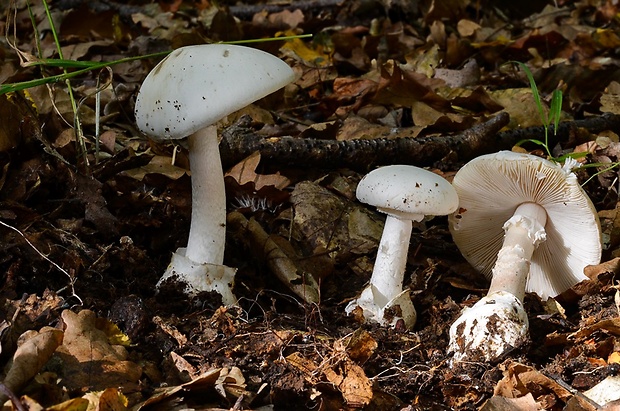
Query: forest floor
[[92, 210]]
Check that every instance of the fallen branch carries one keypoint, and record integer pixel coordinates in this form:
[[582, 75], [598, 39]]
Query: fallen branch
[[360, 154], [238, 142]]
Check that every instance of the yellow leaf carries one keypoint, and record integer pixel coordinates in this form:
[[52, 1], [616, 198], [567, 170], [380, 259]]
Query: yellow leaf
[[314, 57]]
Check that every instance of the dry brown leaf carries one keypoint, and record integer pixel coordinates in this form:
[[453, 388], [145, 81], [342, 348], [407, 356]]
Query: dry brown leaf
[[171, 330], [16, 115], [339, 370], [245, 172], [360, 346], [611, 326], [323, 219], [109, 399], [356, 127], [89, 361], [353, 383], [231, 383], [79, 50], [303, 364], [35, 349], [182, 368], [498, 403], [466, 76], [172, 397], [467, 28], [520, 104], [520, 379], [287, 18], [74, 404], [158, 165]]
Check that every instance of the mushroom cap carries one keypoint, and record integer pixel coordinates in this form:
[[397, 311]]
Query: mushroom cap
[[492, 186], [407, 192], [195, 86]]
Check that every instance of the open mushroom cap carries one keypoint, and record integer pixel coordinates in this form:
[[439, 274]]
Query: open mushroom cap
[[195, 86], [491, 187], [407, 192]]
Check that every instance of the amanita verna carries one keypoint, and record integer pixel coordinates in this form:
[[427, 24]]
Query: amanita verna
[[525, 222], [405, 194], [185, 95]]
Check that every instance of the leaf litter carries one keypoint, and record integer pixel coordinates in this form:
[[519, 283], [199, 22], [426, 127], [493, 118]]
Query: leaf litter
[[389, 73]]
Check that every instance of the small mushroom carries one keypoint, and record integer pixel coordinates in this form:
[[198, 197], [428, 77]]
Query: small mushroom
[[526, 223], [405, 194], [185, 95]]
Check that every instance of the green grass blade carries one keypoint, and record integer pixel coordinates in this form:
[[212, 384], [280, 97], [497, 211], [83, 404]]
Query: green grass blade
[[62, 63], [555, 111], [86, 66], [535, 93], [530, 140]]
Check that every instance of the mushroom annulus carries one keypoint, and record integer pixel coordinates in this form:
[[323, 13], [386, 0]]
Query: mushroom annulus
[[185, 95], [526, 223], [405, 194]]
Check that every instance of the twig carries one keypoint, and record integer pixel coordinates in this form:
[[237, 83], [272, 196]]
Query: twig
[[594, 125], [360, 154], [247, 11], [11, 396]]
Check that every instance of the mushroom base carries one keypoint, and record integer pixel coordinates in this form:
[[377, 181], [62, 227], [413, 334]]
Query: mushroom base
[[398, 308], [199, 277], [488, 330]]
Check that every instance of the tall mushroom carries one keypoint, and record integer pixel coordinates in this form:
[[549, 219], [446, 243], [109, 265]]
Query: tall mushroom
[[185, 95], [526, 223], [405, 194]]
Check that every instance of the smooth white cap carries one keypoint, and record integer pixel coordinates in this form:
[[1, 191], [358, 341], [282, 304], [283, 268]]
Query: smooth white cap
[[491, 187], [195, 86], [407, 192]]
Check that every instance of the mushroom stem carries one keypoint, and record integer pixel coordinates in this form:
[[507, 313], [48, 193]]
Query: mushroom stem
[[389, 270], [385, 290], [207, 231], [498, 322], [524, 231]]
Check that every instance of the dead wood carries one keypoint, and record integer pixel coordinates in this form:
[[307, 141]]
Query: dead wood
[[239, 142], [246, 11]]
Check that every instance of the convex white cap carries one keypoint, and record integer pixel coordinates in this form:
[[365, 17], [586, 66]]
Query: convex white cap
[[491, 187], [196, 86], [407, 192]]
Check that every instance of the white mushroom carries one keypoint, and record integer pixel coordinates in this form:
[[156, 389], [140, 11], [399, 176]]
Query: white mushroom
[[184, 96], [526, 223], [405, 194]]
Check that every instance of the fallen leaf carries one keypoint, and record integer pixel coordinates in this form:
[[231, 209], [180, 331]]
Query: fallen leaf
[[33, 352], [611, 326], [605, 391], [158, 165], [498, 403], [109, 399], [89, 360], [245, 172], [466, 76]]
